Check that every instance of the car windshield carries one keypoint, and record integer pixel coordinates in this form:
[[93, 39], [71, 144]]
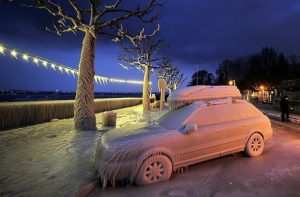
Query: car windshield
[[175, 118]]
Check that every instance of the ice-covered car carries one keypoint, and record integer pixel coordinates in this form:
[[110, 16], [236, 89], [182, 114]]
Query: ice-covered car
[[196, 132]]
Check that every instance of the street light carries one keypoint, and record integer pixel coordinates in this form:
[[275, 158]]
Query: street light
[[231, 82], [262, 87]]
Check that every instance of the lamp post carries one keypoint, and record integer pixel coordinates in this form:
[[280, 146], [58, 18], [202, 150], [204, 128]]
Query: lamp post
[[262, 88]]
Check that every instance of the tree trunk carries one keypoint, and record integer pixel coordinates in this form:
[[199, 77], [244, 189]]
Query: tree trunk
[[146, 90], [84, 108]]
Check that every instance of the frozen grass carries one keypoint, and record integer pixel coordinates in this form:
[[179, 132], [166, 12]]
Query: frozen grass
[[17, 114]]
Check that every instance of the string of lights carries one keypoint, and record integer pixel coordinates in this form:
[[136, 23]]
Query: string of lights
[[45, 63]]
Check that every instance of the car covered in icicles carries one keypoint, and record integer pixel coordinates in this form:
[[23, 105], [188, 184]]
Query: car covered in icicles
[[203, 122]]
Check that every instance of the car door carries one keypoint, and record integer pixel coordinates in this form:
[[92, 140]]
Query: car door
[[204, 143], [234, 127]]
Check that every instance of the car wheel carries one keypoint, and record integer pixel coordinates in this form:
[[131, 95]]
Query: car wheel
[[153, 170], [255, 145]]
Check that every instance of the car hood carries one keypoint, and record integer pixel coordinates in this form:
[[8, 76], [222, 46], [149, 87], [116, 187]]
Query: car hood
[[133, 135]]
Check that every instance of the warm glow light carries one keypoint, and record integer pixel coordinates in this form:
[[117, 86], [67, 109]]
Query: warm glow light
[[73, 72], [25, 57], [1, 49], [60, 68], [35, 60], [262, 87], [45, 63], [230, 83], [67, 70], [53, 66], [14, 53]]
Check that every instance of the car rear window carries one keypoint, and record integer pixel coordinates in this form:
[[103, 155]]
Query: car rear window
[[237, 112]]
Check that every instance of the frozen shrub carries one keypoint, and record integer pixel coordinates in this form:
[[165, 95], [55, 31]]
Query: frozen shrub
[[109, 119]]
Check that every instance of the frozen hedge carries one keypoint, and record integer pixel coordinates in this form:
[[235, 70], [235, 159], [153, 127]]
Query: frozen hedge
[[14, 114]]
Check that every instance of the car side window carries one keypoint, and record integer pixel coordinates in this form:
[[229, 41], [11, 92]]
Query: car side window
[[252, 112], [232, 112], [206, 116]]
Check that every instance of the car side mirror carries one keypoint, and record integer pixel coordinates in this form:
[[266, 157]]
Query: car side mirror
[[190, 128]]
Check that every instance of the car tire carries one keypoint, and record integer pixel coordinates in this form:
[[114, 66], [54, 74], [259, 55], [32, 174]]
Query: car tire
[[255, 145], [153, 170]]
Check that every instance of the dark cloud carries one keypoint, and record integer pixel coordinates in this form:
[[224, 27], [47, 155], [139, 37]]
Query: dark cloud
[[206, 32], [199, 32]]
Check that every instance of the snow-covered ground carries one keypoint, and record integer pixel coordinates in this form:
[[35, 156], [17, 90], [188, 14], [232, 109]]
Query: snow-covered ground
[[52, 159]]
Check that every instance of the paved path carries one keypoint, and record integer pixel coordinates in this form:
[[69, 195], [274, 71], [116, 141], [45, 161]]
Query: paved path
[[275, 173], [51, 159]]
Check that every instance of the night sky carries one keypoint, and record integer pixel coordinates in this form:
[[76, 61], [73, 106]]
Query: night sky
[[200, 34]]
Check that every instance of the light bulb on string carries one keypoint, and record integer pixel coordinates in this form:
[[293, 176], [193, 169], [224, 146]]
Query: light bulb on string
[[25, 57], [53, 66], [1, 49], [45, 63], [13, 53], [36, 60], [61, 69], [67, 71]]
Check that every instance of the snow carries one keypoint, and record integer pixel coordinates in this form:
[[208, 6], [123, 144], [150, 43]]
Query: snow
[[51, 159]]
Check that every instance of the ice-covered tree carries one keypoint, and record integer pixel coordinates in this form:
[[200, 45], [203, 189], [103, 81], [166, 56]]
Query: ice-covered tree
[[94, 18], [171, 74], [141, 52]]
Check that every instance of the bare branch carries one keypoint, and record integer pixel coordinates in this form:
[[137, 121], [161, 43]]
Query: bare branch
[[67, 22], [135, 38], [170, 73], [115, 5], [139, 13], [77, 9]]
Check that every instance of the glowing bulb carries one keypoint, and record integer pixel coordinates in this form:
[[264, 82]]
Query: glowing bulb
[[60, 68], [25, 57], [45, 63], [67, 71], [262, 87], [35, 60], [14, 53], [53, 66], [1, 49], [73, 72]]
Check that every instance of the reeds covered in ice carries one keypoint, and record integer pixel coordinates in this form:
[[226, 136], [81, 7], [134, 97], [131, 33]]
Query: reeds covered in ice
[[16, 114]]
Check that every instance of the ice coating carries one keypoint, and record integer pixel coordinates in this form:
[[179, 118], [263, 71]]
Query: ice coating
[[188, 95], [121, 152]]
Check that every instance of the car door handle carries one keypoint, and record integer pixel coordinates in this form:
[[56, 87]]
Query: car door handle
[[244, 125]]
